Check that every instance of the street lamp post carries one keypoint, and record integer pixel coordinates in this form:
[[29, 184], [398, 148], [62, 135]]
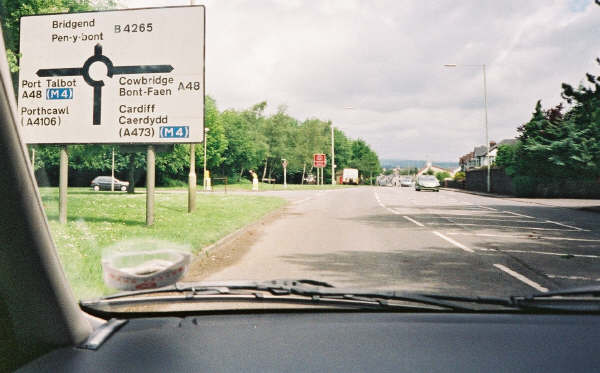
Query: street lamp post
[[487, 139]]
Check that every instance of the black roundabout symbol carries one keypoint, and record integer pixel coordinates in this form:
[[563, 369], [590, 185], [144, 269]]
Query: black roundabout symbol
[[111, 70]]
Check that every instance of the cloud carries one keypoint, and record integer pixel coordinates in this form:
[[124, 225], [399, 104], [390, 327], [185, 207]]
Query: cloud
[[385, 59]]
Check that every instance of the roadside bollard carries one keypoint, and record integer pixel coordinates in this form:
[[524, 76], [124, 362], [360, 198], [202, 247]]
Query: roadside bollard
[[254, 181]]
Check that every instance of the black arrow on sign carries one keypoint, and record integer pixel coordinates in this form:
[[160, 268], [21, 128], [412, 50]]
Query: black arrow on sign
[[111, 70]]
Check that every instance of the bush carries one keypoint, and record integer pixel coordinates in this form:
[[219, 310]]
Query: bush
[[442, 175], [459, 176], [168, 182]]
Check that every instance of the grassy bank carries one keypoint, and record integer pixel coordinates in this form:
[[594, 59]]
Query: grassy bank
[[97, 220]]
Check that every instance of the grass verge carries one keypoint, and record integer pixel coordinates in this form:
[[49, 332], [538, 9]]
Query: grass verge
[[99, 219], [265, 187]]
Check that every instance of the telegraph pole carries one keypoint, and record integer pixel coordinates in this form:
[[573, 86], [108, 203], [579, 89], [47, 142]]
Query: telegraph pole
[[332, 157]]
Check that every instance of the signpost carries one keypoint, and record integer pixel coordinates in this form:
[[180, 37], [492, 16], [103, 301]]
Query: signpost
[[319, 162], [113, 77]]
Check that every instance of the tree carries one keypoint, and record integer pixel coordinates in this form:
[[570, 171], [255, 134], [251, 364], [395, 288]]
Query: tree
[[12, 10], [236, 141], [555, 146], [442, 175], [507, 158], [364, 159]]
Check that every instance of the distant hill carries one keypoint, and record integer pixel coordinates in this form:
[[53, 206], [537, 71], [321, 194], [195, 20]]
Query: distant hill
[[408, 163]]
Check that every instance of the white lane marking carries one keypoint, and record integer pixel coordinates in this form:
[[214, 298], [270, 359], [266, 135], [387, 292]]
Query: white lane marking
[[301, 200], [393, 211], [488, 208], [573, 277], [413, 221], [505, 226], [384, 206], [542, 253], [471, 214], [525, 237], [457, 244], [378, 200], [521, 215], [480, 219], [565, 225], [521, 278]]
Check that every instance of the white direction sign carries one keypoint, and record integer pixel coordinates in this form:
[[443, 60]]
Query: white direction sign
[[126, 76]]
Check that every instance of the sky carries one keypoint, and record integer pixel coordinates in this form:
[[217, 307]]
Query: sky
[[376, 68]]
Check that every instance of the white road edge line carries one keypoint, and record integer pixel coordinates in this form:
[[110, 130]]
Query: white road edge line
[[521, 278], [457, 244], [564, 225], [414, 221]]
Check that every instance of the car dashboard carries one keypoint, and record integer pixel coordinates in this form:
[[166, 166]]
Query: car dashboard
[[341, 342]]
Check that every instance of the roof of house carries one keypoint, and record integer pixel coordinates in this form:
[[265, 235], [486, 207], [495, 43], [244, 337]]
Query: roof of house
[[434, 167], [465, 158], [480, 151]]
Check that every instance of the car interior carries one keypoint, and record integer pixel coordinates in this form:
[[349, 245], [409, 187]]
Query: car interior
[[44, 328]]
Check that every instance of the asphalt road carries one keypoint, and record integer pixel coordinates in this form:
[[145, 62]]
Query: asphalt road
[[450, 242]]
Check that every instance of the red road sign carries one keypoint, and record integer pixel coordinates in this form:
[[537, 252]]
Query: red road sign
[[319, 160]]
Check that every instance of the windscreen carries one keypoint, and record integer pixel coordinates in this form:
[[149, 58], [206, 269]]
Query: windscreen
[[263, 140]]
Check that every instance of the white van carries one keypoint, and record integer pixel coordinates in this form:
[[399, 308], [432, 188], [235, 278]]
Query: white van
[[350, 176]]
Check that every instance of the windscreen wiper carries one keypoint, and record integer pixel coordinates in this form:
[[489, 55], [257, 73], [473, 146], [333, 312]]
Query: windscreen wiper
[[305, 292], [575, 299]]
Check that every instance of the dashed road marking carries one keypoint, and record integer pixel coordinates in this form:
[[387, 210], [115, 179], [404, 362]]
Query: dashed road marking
[[378, 200], [384, 206], [487, 208], [457, 244], [521, 278]]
